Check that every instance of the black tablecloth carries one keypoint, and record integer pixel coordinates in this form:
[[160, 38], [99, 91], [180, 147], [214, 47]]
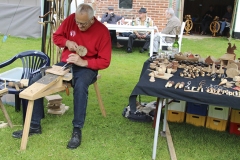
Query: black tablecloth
[[158, 89]]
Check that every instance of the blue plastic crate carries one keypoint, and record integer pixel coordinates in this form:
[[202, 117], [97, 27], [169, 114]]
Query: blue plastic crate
[[198, 109]]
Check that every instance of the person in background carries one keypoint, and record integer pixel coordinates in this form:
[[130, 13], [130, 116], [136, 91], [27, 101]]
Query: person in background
[[226, 19], [111, 18], [173, 26], [142, 20], [207, 19], [78, 29]]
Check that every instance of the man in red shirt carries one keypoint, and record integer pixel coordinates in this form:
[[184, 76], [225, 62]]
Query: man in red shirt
[[78, 29]]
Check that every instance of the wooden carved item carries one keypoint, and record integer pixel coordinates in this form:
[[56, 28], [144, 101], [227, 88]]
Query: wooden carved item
[[230, 56], [232, 72], [215, 26], [81, 51], [231, 48], [189, 24], [224, 81]]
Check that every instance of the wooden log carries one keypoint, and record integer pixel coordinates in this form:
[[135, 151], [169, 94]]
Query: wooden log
[[53, 97]]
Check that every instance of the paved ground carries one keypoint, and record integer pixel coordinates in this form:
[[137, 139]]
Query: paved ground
[[197, 36]]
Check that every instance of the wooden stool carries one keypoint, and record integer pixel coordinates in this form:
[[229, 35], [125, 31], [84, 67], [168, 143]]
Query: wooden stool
[[99, 96]]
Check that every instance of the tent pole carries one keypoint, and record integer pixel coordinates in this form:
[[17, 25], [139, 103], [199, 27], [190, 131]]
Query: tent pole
[[233, 19]]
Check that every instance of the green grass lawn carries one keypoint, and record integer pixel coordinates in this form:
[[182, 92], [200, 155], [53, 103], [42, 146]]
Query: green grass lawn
[[115, 137]]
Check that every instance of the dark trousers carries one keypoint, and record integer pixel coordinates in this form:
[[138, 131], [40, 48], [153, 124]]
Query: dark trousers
[[113, 35], [133, 36], [205, 25]]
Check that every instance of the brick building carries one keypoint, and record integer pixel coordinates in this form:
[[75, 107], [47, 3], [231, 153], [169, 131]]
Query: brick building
[[155, 9]]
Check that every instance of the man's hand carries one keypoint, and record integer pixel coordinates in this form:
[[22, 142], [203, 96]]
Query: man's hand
[[77, 60], [138, 36], [72, 46], [141, 36]]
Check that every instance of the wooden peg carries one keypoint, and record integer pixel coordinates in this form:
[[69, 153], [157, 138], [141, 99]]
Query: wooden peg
[[181, 85], [167, 84], [171, 84], [176, 86]]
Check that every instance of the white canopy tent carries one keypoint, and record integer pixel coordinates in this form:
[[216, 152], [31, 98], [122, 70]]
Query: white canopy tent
[[20, 18]]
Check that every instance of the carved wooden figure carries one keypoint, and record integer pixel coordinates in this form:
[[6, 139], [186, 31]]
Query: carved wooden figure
[[231, 48]]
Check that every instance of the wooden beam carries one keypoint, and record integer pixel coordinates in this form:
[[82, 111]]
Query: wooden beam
[[6, 114], [170, 144], [2, 92]]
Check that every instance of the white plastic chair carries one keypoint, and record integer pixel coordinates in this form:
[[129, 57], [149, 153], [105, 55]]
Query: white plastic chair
[[169, 44]]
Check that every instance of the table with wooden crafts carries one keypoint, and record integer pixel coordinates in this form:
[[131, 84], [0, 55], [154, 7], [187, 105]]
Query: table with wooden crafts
[[158, 89]]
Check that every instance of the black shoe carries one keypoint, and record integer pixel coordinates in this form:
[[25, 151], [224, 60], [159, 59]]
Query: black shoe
[[142, 50], [140, 117], [129, 50], [18, 134], [219, 34], [75, 141]]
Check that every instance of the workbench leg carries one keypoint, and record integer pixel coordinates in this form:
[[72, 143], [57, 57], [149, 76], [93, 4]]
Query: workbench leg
[[17, 103], [157, 129], [27, 125], [5, 114]]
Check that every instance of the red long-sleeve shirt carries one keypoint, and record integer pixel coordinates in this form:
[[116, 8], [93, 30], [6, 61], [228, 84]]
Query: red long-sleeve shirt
[[96, 39]]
